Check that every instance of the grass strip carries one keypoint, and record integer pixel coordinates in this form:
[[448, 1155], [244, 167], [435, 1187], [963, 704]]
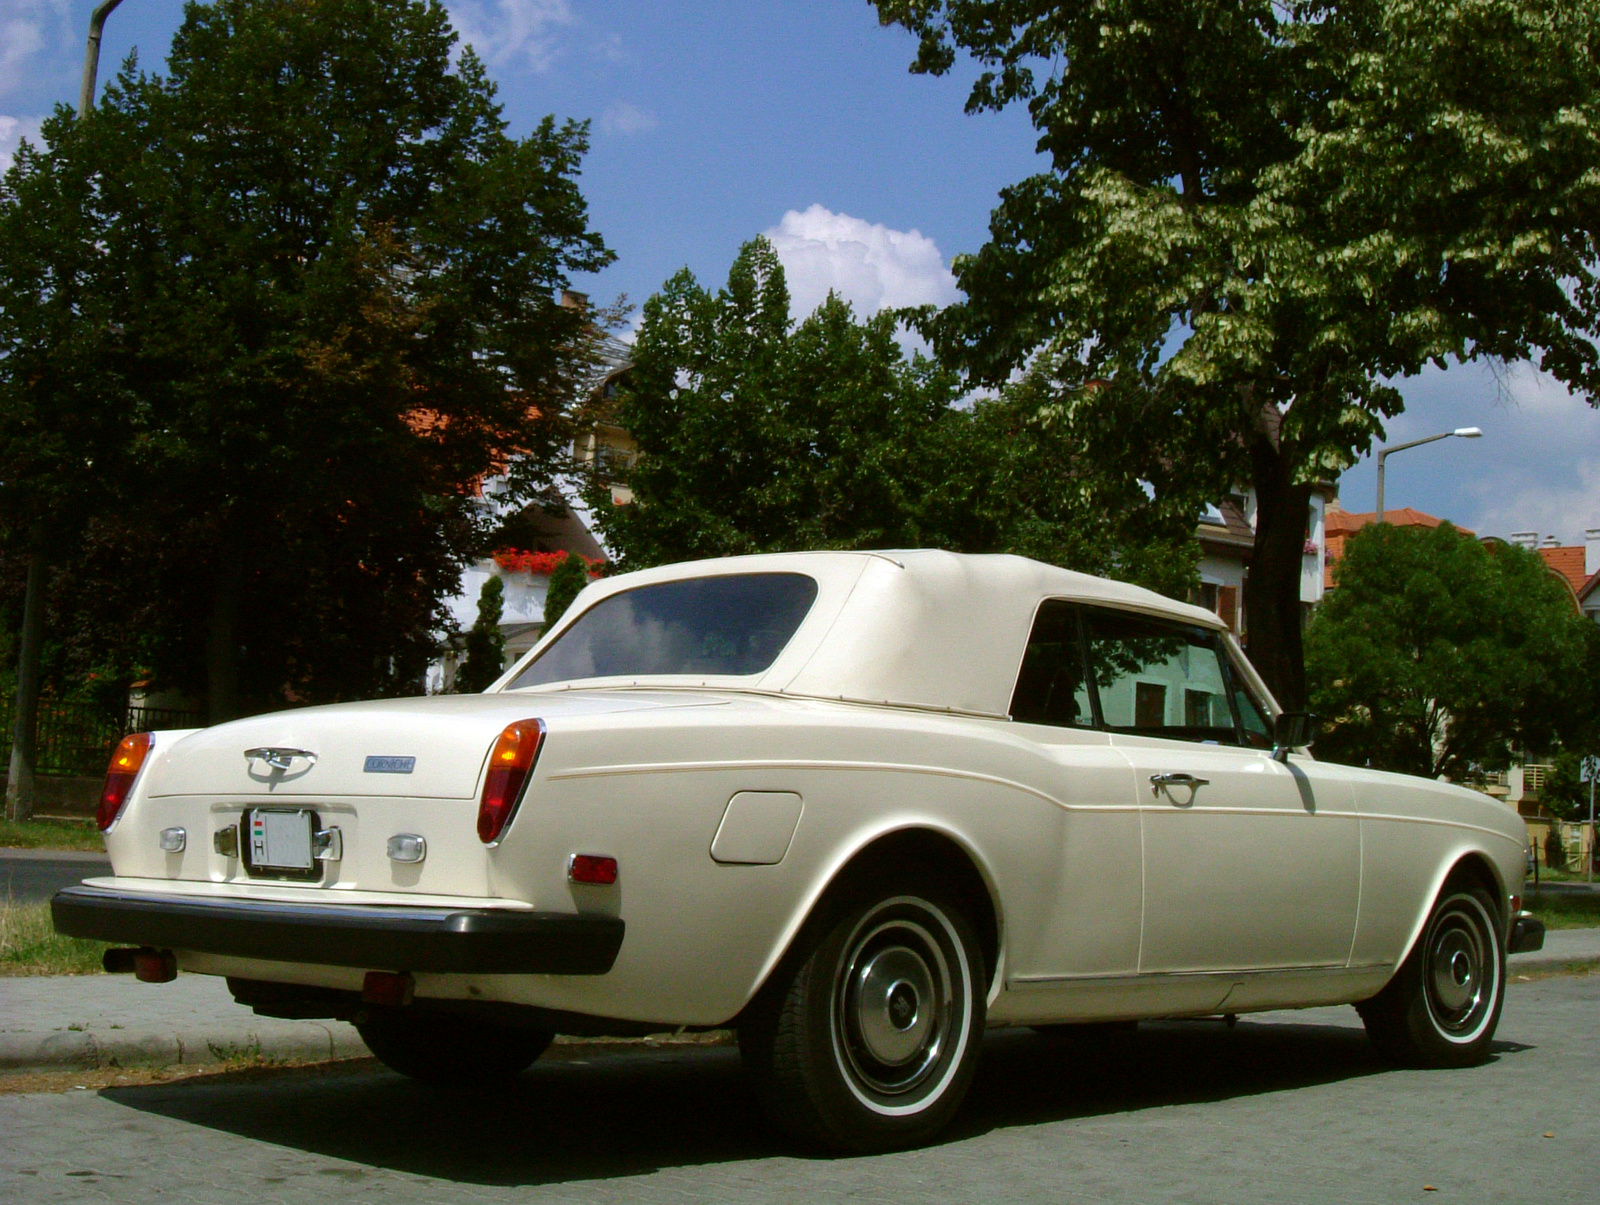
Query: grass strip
[[1565, 909], [30, 945], [53, 833]]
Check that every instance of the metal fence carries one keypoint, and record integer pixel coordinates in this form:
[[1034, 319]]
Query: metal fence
[[75, 738]]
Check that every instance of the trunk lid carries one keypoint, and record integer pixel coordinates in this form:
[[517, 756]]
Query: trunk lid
[[422, 748]]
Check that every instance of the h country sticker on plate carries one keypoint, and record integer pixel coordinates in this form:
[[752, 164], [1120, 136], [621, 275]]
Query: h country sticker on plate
[[280, 840]]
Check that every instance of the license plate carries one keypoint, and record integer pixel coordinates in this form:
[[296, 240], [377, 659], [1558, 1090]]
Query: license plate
[[280, 840]]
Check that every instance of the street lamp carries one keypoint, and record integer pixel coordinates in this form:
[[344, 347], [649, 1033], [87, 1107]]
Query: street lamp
[[91, 56], [1459, 432]]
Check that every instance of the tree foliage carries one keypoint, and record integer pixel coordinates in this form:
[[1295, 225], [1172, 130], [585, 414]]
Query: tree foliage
[[760, 434], [322, 303], [567, 581], [1258, 214], [485, 646], [1566, 792], [1436, 654]]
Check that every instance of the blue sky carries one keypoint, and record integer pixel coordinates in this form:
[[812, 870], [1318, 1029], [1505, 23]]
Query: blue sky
[[715, 120]]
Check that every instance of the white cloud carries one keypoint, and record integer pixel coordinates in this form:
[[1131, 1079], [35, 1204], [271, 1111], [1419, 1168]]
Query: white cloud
[[27, 28], [12, 131], [611, 49], [622, 118], [869, 265], [508, 33], [1547, 479]]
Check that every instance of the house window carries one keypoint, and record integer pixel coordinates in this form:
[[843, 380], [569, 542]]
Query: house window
[[1149, 705]]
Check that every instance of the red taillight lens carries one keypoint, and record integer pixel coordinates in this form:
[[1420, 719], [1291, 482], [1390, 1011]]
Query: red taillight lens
[[124, 768], [510, 763]]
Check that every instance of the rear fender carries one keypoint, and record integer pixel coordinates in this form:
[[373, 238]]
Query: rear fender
[[830, 872]]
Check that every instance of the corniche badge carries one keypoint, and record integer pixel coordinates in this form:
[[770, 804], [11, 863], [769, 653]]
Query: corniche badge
[[390, 765]]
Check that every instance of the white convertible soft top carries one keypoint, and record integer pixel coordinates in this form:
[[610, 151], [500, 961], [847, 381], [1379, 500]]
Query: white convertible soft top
[[916, 628]]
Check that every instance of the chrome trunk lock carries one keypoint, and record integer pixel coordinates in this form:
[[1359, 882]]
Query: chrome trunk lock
[[226, 841]]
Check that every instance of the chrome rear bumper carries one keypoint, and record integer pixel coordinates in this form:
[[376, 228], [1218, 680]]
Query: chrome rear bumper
[[489, 941]]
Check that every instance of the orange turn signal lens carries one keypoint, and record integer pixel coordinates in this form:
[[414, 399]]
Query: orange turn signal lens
[[124, 768], [510, 765]]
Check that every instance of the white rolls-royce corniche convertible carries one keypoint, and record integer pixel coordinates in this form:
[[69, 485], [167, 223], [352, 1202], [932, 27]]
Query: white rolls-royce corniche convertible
[[855, 806]]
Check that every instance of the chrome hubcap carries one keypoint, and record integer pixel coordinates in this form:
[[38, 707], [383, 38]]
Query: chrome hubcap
[[897, 1002], [1462, 971]]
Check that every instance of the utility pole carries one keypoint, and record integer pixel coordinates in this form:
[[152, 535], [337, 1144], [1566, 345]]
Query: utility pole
[[25, 707]]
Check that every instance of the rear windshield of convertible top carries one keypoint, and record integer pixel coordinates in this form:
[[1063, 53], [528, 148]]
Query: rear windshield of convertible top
[[734, 624]]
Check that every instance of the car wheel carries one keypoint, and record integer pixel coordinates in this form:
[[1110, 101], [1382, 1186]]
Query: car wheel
[[1441, 1008], [870, 1041], [447, 1049]]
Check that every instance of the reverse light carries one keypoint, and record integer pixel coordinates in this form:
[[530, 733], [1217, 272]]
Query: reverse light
[[510, 764], [124, 768]]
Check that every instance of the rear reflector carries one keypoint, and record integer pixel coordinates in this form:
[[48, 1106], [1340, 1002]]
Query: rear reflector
[[124, 768], [510, 763], [394, 988], [592, 868]]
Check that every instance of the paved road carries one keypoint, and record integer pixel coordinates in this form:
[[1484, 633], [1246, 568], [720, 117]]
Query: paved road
[[1287, 1107], [29, 876]]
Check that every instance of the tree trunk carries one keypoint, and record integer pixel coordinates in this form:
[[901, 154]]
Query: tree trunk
[[222, 645], [25, 716], [1272, 591]]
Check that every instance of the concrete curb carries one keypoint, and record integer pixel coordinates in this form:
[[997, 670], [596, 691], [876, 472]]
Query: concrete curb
[[88, 1021], [1562, 947], [310, 1041]]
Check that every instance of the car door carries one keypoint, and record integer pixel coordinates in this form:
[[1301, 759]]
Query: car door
[[1091, 929], [1249, 863]]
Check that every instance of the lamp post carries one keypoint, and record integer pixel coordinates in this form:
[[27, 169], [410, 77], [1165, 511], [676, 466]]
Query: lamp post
[[91, 55], [1459, 433]]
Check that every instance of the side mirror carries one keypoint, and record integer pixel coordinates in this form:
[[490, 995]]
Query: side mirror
[[1292, 730]]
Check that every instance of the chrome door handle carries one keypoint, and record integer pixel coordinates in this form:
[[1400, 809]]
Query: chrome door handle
[[1157, 781]]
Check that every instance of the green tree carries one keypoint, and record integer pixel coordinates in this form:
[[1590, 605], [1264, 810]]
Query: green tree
[[337, 308], [758, 434], [567, 580], [1436, 654], [1258, 214], [485, 646], [1566, 792], [63, 429]]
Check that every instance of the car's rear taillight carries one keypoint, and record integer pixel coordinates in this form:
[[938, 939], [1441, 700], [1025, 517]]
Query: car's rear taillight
[[510, 764], [124, 768]]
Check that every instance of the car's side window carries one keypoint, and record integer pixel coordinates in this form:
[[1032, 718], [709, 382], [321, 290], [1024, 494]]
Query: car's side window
[[1254, 730], [1159, 678], [1052, 687]]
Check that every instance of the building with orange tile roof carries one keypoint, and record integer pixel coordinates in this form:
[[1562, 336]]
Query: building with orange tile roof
[[1342, 524], [1567, 560]]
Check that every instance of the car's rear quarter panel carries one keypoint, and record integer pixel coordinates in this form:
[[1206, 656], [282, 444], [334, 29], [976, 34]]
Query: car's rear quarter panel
[[651, 790]]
